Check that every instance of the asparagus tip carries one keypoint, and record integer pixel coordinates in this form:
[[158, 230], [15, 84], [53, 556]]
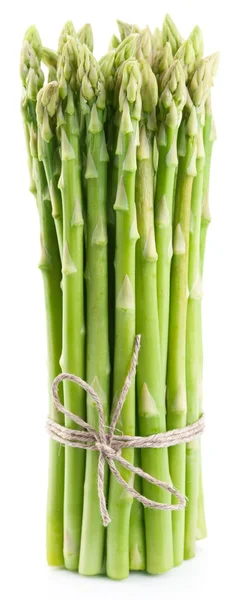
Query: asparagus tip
[[85, 36], [170, 33], [32, 36], [67, 30]]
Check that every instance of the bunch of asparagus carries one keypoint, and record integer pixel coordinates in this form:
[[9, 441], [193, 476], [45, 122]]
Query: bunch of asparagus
[[119, 155]]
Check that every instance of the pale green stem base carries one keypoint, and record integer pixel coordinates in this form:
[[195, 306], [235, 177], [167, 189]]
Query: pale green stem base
[[137, 559]]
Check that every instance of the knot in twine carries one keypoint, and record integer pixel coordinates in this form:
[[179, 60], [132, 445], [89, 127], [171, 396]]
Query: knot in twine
[[109, 445]]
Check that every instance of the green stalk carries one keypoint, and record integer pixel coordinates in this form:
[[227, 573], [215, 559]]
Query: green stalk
[[97, 352], [112, 184], [111, 66], [150, 387], [193, 367], [201, 532], [120, 501], [73, 309], [176, 378], [171, 103], [209, 136], [108, 71], [50, 266], [137, 552]]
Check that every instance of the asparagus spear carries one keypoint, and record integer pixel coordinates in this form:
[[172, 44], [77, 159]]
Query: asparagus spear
[[109, 65], [209, 136], [73, 309], [171, 103], [108, 70], [150, 386], [176, 393], [176, 379], [120, 502], [199, 88], [193, 373], [32, 78], [92, 100]]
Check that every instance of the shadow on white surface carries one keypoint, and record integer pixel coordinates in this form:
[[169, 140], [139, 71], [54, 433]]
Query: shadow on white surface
[[190, 580]]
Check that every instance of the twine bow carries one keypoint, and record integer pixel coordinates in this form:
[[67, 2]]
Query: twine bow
[[109, 445]]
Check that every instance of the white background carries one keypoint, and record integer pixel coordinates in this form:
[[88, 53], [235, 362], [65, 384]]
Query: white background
[[23, 376]]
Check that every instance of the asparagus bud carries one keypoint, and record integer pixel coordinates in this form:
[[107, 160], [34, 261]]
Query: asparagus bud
[[30, 70], [114, 43], [162, 60], [67, 30], [125, 29], [85, 36], [33, 38], [186, 55], [173, 94], [145, 45], [171, 34], [157, 40], [197, 41], [127, 49], [49, 57], [67, 67]]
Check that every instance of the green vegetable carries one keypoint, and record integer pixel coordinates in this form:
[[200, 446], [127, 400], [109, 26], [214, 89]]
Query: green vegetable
[[171, 103], [176, 378], [73, 355], [50, 265], [92, 104], [119, 154], [150, 381], [137, 552], [120, 502]]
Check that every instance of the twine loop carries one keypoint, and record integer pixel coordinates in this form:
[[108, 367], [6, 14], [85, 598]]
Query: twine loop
[[109, 444]]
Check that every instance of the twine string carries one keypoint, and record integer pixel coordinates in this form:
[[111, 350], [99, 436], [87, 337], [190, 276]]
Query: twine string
[[109, 445]]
